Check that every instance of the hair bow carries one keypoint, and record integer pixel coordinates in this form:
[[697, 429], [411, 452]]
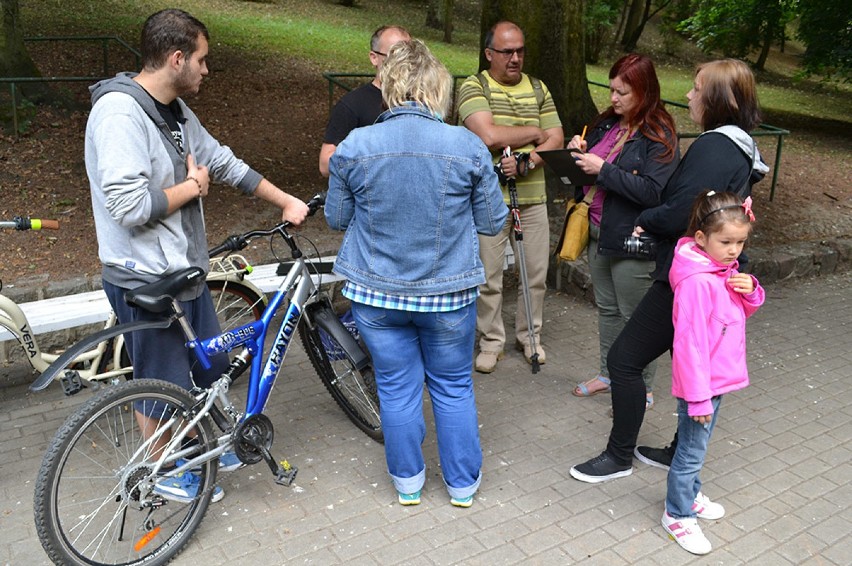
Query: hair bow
[[747, 209]]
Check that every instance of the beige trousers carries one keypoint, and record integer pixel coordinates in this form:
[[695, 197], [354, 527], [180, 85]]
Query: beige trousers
[[492, 249]]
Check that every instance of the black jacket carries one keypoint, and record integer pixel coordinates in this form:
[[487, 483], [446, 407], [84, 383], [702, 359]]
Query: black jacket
[[633, 183], [713, 161]]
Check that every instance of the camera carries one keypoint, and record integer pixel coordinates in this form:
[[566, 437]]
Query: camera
[[642, 245]]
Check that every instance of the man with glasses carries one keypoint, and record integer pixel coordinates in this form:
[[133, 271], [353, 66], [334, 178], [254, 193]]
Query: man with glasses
[[507, 108], [360, 107]]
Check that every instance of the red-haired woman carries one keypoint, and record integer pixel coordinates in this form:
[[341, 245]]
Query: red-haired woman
[[632, 148]]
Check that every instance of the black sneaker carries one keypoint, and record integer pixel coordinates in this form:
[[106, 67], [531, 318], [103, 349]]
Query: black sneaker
[[600, 469], [657, 457]]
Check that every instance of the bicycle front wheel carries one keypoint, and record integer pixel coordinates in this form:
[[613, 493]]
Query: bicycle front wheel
[[236, 304], [354, 390], [97, 500]]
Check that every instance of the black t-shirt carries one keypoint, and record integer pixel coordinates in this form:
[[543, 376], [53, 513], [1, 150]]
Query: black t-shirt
[[171, 114], [357, 108]]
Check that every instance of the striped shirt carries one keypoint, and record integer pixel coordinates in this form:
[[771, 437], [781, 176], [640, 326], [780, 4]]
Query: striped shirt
[[512, 105], [430, 303]]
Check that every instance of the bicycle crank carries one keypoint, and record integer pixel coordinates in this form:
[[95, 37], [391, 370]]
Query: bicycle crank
[[252, 441]]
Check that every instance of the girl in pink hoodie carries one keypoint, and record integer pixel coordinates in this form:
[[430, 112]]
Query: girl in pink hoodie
[[711, 303]]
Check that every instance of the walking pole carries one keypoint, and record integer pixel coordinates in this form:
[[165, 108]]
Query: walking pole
[[519, 239]]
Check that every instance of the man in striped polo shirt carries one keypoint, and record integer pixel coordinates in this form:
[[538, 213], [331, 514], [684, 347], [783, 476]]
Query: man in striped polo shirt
[[507, 108]]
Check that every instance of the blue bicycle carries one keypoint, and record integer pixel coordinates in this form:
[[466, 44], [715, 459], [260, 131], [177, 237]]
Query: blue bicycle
[[99, 496]]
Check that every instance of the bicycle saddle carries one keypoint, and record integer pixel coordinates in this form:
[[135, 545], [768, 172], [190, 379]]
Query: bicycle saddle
[[158, 296]]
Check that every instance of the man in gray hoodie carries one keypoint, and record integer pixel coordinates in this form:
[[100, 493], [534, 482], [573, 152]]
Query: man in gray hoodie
[[150, 162]]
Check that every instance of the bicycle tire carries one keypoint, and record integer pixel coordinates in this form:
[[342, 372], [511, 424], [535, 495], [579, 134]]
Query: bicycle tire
[[354, 390], [236, 304], [88, 504]]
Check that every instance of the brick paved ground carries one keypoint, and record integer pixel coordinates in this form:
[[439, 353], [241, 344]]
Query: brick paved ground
[[779, 462]]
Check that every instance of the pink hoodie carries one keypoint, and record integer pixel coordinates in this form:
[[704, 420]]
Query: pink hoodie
[[709, 350]]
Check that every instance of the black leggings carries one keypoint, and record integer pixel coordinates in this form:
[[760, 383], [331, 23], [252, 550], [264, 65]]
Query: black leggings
[[648, 334]]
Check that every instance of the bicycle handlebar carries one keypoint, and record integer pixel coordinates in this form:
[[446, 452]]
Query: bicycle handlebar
[[238, 242], [26, 223]]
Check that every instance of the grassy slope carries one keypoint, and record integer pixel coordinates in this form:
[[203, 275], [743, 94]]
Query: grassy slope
[[333, 38]]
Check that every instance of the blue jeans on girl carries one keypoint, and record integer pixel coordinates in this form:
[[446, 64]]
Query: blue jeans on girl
[[683, 482]]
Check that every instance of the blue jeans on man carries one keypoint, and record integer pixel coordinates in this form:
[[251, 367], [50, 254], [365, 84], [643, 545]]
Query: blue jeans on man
[[409, 348], [684, 482]]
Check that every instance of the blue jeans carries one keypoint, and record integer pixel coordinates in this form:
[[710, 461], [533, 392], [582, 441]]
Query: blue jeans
[[683, 482], [408, 348]]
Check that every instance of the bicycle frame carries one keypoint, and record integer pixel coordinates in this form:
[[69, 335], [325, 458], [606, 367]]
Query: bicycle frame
[[253, 335]]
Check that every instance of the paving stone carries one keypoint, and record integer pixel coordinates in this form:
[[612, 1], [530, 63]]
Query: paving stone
[[780, 461]]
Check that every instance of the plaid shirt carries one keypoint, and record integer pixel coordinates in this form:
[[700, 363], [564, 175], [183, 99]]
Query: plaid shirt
[[431, 303]]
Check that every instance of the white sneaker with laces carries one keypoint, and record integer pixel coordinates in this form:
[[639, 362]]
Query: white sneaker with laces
[[687, 534], [706, 509]]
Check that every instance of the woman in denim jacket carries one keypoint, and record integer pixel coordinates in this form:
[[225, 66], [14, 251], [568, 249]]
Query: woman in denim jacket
[[412, 193], [632, 148]]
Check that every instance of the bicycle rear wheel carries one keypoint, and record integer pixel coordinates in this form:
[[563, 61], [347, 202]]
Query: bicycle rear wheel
[[95, 501], [354, 390], [236, 304]]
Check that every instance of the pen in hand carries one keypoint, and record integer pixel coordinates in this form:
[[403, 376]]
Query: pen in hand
[[580, 144]]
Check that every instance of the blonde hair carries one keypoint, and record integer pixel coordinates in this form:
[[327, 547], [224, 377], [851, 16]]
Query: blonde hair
[[410, 73]]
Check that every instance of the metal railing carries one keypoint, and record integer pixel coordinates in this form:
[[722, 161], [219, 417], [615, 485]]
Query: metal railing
[[13, 82], [762, 129]]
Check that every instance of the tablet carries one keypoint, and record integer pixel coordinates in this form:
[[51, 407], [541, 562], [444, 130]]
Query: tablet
[[561, 161]]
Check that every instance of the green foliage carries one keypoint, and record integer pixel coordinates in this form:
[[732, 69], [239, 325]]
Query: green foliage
[[825, 26], [25, 112], [737, 27], [600, 17], [329, 37]]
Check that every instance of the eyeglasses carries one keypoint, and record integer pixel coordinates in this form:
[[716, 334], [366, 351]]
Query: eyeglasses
[[508, 53], [379, 53]]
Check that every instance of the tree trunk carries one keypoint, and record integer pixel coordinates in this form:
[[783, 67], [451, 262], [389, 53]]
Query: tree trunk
[[447, 16], [432, 19], [15, 61], [634, 17], [622, 20], [769, 35], [633, 39]]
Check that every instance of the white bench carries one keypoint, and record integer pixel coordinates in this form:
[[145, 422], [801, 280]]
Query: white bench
[[60, 313]]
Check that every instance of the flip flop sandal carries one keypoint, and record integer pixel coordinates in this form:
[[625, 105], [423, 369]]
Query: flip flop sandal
[[582, 389]]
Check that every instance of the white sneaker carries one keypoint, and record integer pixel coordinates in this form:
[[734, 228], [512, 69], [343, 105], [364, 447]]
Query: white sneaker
[[687, 534], [706, 509]]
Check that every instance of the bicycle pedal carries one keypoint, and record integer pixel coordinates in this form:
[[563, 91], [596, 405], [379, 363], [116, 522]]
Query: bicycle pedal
[[71, 382], [285, 476]]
